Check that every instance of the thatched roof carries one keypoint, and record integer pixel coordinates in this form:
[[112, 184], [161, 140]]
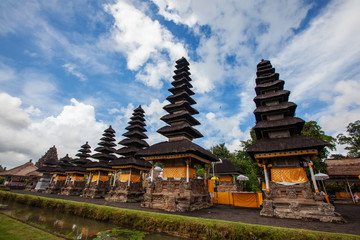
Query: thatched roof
[[130, 161], [25, 170], [175, 148], [346, 167], [227, 168], [293, 143]]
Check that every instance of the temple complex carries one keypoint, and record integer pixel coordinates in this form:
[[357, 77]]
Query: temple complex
[[179, 189], [281, 148], [127, 187], [98, 185], [46, 165], [227, 173], [75, 183], [59, 176]]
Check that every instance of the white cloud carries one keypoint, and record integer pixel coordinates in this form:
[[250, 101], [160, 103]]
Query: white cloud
[[6, 73], [23, 138], [71, 68], [146, 44]]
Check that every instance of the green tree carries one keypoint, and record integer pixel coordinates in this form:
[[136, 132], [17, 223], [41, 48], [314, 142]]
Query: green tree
[[249, 166], [221, 151], [1, 168], [352, 140], [312, 129]]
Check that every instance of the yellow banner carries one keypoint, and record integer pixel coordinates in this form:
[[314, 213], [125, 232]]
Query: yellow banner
[[59, 178], [288, 175], [77, 178], [177, 172], [226, 178], [125, 178], [102, 178]]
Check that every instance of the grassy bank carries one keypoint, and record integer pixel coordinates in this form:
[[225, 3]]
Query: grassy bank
[[182, 226], [15, 230]]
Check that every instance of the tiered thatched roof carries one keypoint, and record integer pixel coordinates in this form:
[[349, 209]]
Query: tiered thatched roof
[[277, 129]]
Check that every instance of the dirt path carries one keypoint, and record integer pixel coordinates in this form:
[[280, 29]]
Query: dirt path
[[246, 215]]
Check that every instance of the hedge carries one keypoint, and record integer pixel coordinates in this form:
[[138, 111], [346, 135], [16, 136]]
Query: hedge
[[181, 226]]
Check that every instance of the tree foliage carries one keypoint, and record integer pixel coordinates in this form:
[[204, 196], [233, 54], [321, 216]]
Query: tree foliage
[[312, 129], [352, 140], [1, 168], [243, 161]]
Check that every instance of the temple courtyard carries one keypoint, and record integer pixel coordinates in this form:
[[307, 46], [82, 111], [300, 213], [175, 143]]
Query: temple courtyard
[[351, 214]]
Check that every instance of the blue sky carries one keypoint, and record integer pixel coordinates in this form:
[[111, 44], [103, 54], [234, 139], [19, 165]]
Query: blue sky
[[68, 69]]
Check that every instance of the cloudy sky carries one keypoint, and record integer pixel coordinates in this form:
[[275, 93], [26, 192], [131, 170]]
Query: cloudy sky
[[69, 69]]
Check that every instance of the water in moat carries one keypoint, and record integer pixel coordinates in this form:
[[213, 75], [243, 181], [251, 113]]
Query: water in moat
[[74, 227]]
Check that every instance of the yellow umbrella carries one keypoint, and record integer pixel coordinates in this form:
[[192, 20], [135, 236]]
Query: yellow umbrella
[[215, 178]]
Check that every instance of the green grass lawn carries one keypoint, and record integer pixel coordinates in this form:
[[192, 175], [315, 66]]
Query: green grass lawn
[[11, 229]]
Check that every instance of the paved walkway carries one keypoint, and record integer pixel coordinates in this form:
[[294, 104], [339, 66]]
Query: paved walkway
[[236, 214]]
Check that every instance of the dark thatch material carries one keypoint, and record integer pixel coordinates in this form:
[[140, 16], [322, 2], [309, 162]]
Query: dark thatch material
[[181, 87], [227, 168], [49, 158], [346, 167], [177, 147], [176, 117], [184, 128], [181, 96], [180, 106], [102, 165], [293, 143], [130, 161]]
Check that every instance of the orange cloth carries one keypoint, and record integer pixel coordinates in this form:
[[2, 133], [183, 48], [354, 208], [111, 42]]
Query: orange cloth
[[210, 186], [247, 200], [288, 175], [77, 178], [342, 195], [178, 172], [226, 178], [60, 178], [125, 178], [102, 178], [223, 198]]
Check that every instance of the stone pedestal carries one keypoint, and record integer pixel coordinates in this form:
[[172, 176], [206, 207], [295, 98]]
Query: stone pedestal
[[55, 187], [75, 188], [96, 190], [177, 195], [43, 184], [124, 193], [298, 202], [228, 187]]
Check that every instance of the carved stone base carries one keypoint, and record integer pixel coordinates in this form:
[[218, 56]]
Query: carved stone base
[[187, 197], [95, 190], [73, 189], [55, 187], [305, 210]]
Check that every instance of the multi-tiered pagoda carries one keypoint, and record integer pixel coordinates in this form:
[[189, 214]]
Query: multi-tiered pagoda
[[98, 185], [127, 187], [59, 175], [281, 148], [46, 165], [179, 189], [76, 173]]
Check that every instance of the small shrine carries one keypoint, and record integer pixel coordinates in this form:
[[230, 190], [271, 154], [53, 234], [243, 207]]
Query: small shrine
[[75, 183], [127, 187], [46, 165], [98, 185], [15, 177], [281, 148], [179, 189], [59, 176], [227, 173]]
